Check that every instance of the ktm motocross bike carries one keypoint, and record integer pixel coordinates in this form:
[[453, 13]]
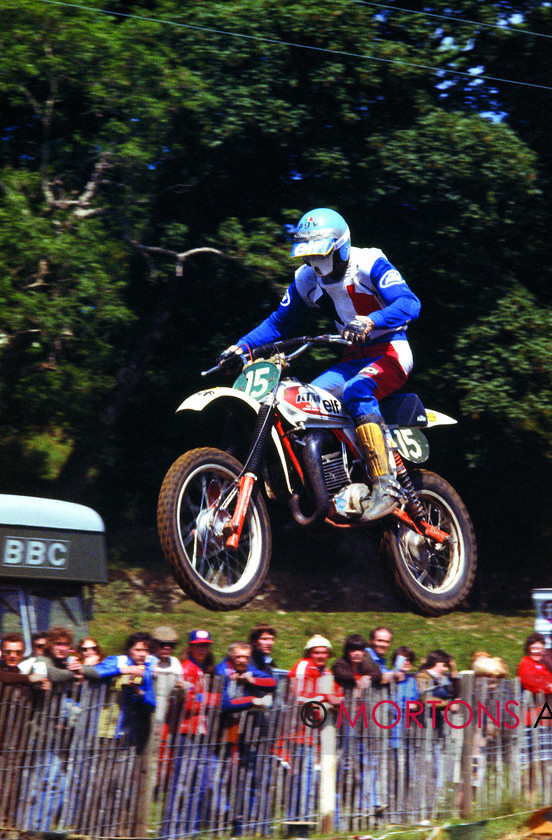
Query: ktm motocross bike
[[285, 440]]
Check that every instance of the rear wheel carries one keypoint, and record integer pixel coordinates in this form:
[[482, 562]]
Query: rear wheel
[[435, 577], [197, 499]]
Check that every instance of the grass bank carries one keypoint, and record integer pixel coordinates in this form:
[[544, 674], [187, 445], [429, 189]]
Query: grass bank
[[122, 608]]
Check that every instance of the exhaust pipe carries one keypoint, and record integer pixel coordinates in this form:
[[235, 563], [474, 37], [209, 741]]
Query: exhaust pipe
[[312, 462]]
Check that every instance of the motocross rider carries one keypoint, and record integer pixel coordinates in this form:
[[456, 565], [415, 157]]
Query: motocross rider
[[372, 306]]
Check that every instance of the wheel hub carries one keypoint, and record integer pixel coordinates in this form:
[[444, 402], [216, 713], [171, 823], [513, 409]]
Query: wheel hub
[[210, 524], [417, 547]]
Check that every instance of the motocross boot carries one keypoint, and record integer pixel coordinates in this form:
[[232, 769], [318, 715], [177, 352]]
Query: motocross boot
[[386, 491]]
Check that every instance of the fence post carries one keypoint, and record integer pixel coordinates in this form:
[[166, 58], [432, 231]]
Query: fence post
[[328, 774], [147, 770], [467, 694]]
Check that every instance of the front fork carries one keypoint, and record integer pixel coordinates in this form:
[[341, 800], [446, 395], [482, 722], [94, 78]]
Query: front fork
[[246, 482]]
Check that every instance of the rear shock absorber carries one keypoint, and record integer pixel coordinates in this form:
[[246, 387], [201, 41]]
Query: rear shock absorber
[[413, 506]]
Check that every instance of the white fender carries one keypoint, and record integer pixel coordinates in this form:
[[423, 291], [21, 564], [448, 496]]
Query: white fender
[[201, 399], [436, 418]]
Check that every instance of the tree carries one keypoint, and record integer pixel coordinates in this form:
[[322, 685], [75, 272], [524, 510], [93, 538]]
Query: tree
[[155, 130]]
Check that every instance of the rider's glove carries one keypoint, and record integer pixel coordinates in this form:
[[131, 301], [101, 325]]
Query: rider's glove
[[233, 359], [358, 330]]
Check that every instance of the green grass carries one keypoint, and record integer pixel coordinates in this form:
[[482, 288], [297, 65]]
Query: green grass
[[121, 609]]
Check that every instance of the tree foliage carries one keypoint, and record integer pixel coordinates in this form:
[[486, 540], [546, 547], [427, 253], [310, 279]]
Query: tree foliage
[[152, 156]]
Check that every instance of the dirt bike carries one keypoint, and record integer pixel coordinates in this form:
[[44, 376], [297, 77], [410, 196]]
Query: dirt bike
[[286, 440]]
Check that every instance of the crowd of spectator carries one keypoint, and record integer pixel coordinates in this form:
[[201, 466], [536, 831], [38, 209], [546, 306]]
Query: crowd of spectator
[[248, 668], [248, 680]]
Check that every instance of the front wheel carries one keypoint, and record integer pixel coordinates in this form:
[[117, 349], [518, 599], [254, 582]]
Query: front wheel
[[435, 577], [197, 499]]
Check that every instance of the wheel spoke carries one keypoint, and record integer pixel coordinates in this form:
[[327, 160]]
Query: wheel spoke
[[432, 568], [206, 502]]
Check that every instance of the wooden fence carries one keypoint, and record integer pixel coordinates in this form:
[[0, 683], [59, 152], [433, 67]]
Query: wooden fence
[[72, 761]]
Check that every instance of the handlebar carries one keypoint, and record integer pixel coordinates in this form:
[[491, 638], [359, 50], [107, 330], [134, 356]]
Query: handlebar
[[301, 343]]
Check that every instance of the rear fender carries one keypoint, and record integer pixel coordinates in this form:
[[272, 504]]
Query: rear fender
[[437, 418], [230, 399]]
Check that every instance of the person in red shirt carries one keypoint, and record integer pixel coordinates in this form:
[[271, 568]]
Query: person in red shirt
[[533, 674], [310, 678], [312, 685], [536, 678], [194, 757], [197, 669]]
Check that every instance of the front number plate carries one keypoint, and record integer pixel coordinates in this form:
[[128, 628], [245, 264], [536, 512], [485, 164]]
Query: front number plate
[[258, 379]]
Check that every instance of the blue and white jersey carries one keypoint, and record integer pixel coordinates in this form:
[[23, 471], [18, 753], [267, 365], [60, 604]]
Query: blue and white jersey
[[370, 286]]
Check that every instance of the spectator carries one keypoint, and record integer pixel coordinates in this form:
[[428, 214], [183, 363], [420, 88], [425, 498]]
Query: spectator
[[407, 689], [199, 657], [167, 669], [532, 672], [188, 800], [310, 678], [58, 662], [485, 665], [11, 656], [164, 642], [356, 668], [89, 651], [438, 680], [379, 643], [243, 687], [311, 681], [48, 782], [261, 639], [38, 646], [138, 695]]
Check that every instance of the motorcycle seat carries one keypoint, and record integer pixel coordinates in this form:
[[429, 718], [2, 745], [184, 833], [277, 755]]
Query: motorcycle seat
[[403, 410]]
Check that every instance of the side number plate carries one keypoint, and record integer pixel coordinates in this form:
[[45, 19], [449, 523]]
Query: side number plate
[[412, 444]]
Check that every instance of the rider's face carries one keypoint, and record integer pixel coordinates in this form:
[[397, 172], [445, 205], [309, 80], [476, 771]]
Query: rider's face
[[322, 266]]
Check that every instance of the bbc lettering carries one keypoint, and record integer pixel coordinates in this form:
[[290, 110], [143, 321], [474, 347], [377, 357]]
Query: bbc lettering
[[24, 551]]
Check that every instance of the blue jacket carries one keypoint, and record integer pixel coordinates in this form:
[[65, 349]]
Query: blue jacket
[[238, 696], [370, 286], [134, 706]]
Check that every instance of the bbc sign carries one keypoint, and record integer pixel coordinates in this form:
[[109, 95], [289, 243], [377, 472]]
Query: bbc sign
[[34, 553]]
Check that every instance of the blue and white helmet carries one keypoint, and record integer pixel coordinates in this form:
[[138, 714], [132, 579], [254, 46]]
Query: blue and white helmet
[[319, 234]]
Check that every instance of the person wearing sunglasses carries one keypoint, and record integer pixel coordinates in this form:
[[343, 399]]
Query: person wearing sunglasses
[[89, 651], [372, 307], [38, 646]]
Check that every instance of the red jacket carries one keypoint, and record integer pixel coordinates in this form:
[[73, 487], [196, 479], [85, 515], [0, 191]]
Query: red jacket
[[309, 683], [198, 698], [534, 676]]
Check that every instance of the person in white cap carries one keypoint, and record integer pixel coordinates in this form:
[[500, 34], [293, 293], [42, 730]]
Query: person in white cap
[[167, 670], [310, 678]]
